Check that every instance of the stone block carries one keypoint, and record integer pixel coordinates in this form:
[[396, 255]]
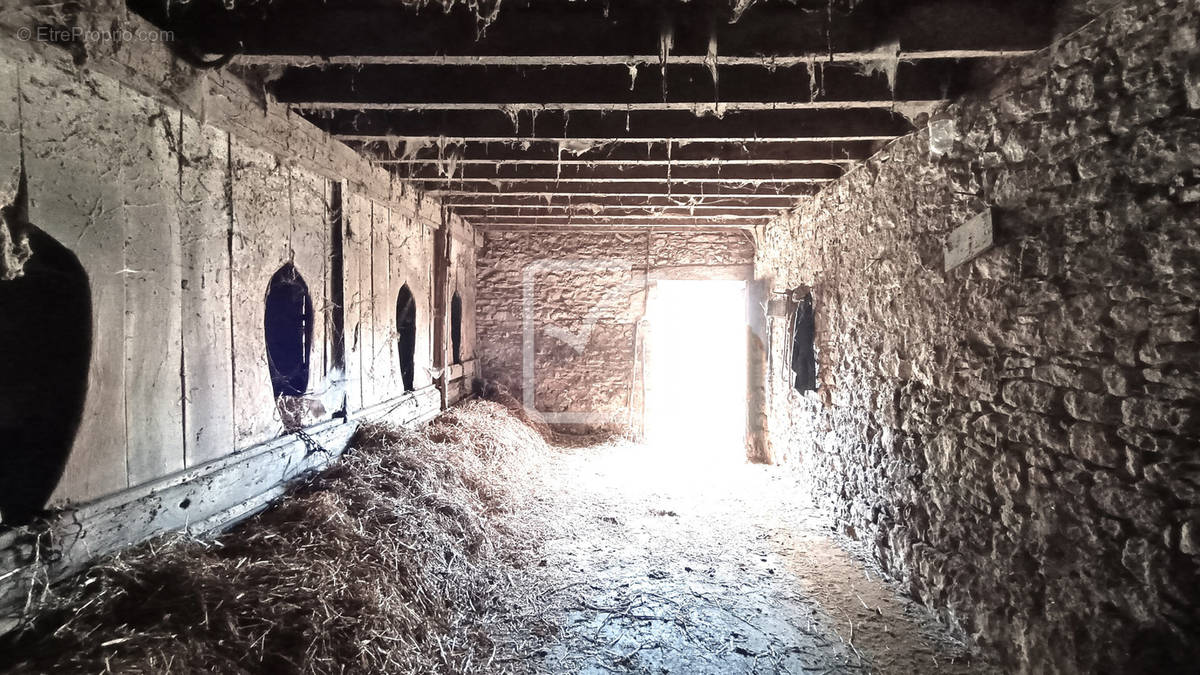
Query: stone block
[[1098, 408], [1121, 501], [1189, 538], [1096, 444], [1033, 396], [1069, 377], [1160, 415]]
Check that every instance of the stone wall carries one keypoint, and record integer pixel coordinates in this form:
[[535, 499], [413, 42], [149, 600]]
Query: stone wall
[[1016, 438], [587, 293]]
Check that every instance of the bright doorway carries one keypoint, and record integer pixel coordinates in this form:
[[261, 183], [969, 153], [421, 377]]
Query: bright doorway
[[696, 369]]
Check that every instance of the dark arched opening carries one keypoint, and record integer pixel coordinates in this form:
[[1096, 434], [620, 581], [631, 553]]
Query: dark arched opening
[[46, 342], [456, 327], [288, 324], [406, 329]]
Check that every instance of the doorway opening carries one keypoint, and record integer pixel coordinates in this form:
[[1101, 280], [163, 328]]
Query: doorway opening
[[406, 331], [288, 327], [456, 328], [696, 360]]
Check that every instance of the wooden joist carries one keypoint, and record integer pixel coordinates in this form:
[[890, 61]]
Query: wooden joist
[[553, 141], [620, 164], [818, 82], [621, 28], [458, 200], [683, 189], [905, 56], [431, 149], [635, 220], [568, 173], [642, 193], [645, 125], [701, 110], [468, 211]]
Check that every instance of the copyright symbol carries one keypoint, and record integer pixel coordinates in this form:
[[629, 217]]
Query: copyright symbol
[[24, 34]]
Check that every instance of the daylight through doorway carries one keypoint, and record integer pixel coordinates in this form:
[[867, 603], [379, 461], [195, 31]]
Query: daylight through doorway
[[696, 369]]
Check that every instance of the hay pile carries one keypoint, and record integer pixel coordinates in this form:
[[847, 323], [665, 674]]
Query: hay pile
[[388, 562], [498, 393]]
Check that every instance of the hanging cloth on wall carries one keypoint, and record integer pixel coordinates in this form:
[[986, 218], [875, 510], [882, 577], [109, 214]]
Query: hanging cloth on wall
[[804, 353]]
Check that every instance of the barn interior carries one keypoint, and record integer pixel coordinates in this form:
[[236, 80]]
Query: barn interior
[[586, 336]]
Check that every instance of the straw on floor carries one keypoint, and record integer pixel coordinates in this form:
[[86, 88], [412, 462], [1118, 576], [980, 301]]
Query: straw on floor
[[388, 562]]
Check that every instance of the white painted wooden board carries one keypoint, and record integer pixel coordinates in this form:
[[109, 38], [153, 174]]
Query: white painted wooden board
[[417, 259], [261, 245], [969, 240], [356, 255], [10, 127], [311, 250], [364, 246], [397, 276], [400, 253], [366, 326], [207, 317], [366, 283], [198, 500], [73, 126], [383, 345], [462, 274], [153, 337], [172, 503]]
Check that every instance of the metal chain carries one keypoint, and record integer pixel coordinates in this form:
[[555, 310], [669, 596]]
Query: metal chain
[[311, 444]]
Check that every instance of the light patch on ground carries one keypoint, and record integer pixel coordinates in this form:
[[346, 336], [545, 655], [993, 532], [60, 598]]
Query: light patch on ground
[[651, 563]]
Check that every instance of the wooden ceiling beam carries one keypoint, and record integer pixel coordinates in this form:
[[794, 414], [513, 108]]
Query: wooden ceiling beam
[[610, 228], [505, 211], [552, 140], [862, 58], [579, 201], [566, 221], [553, 184], [587, 87], [680, 189], [605, 28], [642, 126], [587, 173], [668, 113], [548, 150], [630, 163]]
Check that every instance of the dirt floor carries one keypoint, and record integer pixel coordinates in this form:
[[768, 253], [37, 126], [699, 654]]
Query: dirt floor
[[652, 565], [474, 546]]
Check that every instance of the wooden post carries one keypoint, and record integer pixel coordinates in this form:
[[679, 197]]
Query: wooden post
[[442, 241]]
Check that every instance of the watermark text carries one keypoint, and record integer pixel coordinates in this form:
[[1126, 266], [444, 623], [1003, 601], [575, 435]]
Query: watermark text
[[78, 34]]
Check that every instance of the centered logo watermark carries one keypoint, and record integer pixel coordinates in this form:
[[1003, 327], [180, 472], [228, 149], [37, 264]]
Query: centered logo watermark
[[577, 337]]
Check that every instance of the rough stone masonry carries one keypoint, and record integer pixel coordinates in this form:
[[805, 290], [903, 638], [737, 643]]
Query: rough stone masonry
[[1017, 438], [588, 295]]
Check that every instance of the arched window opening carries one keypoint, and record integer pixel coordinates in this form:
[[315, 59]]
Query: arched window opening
[[46, 335], [804, 351], [406, 329], [456, 327], [288, 324]]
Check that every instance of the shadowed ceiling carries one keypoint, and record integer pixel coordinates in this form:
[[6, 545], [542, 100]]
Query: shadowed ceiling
[[533, 113]]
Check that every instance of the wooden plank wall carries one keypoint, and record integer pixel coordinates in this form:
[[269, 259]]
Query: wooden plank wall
[[149, 178], [206, 302], [180, 227], [462, 281], [75, 196], [10, 130], [417, 263], [357, 270]]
